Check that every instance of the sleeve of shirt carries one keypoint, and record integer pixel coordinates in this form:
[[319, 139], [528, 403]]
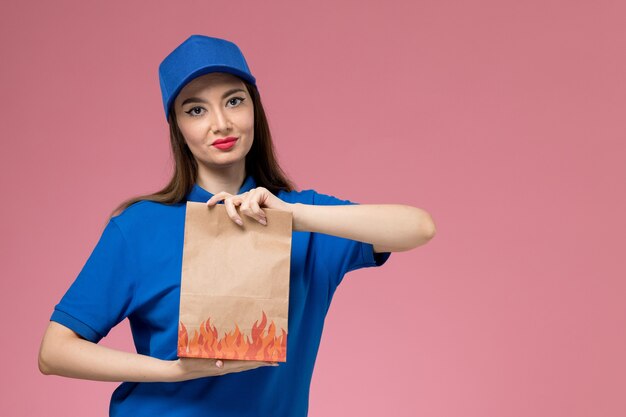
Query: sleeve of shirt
[[343, 255], [101, 295]]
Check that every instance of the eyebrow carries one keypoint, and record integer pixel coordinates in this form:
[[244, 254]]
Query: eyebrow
[[200, 100]]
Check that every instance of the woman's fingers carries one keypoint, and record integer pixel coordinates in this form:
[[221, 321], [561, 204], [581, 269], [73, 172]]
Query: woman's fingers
[[248, 203], [250, 207], [215, 198], [235, 365], [229, 202]]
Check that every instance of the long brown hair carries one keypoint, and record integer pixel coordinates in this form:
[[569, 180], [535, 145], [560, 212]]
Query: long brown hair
[[261, 161]]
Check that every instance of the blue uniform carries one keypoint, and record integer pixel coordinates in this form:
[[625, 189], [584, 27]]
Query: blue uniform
[[134, 271]]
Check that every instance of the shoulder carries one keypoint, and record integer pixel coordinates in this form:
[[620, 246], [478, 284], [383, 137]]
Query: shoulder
[[302, 196], [147, 215], [312, 196]]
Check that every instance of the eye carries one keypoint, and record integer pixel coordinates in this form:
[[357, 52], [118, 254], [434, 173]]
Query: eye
[[198, 111], [237, 98], [192, 111]]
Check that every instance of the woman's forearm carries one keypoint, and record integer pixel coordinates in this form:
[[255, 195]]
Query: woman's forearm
[[395, 226], [79, 358], [63, 352]]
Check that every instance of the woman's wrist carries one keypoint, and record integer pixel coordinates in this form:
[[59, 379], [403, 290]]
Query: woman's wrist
[[297, 211], [172, 371]]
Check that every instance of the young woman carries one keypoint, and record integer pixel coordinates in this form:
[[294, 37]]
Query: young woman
[[223, 154]]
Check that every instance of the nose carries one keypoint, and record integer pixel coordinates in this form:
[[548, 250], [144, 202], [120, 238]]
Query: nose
[[219, 121]]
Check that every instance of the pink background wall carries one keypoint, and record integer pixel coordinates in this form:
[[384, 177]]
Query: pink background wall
[[503, 119]]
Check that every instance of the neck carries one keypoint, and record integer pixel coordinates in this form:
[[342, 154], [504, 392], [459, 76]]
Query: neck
[[227, 179]]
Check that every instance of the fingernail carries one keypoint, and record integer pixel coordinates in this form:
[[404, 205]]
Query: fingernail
[[239, 222], [263, 221], [219, 364]]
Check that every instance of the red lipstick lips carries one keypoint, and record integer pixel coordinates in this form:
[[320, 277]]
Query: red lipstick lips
[[228, 139], [226, 143]]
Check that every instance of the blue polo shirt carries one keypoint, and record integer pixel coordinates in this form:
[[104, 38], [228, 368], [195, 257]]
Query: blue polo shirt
[[134, 271]]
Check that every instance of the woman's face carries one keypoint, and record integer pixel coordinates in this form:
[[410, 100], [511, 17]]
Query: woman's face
[[216, 106]]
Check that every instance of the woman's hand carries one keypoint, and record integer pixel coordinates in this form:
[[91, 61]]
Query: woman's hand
[[192, 368], [250, 204]]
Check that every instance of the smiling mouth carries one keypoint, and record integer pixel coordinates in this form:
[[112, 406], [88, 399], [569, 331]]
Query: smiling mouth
[[225, 145], [225, 140]]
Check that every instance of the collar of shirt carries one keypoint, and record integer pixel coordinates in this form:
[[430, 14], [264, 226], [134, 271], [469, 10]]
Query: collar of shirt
[[200, 195]]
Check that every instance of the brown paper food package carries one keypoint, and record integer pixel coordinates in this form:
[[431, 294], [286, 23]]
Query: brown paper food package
[[234, 293]]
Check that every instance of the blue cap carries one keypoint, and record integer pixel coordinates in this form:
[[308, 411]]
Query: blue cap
[[197, 56]]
